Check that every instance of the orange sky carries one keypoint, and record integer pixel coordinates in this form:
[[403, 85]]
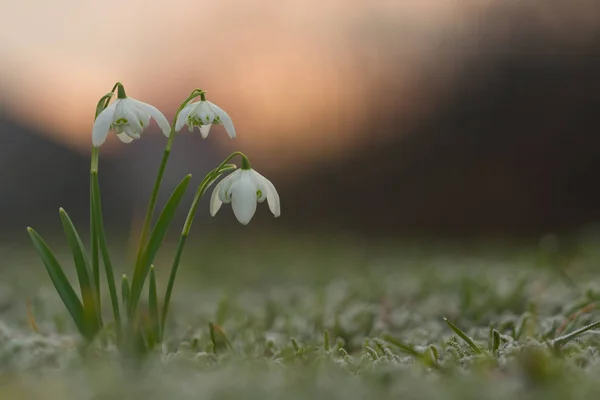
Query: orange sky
[[278, 68]]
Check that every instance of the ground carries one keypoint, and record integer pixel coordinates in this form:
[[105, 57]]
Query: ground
[[337, 318]]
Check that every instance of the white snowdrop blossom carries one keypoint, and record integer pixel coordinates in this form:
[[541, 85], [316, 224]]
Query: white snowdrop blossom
[[127, 117], [203, 114], [243, 189]]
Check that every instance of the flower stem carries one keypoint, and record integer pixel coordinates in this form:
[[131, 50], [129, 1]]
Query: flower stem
[[94, 232], [159, 177], [204, 185], [101, 235]]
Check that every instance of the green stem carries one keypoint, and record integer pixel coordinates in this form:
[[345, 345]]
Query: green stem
[[110, 277], [204, 185], [167, 300], [94, 234], [159, 177]]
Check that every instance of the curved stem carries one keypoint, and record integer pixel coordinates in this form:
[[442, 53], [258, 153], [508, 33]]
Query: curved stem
[[204, 185], [159, 177]]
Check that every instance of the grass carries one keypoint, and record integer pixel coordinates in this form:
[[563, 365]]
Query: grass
[[325, 318]]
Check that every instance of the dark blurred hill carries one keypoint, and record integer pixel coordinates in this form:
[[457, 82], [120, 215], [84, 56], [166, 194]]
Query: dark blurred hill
[[514, 149]]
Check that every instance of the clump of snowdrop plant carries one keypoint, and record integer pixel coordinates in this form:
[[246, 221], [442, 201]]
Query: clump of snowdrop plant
[[128, 118]]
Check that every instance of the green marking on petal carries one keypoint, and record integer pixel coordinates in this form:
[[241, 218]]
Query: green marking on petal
[[258, 193], [121, 121]]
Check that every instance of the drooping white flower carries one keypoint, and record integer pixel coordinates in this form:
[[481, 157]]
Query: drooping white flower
[[203, 114], [128, 118], [243, 188]]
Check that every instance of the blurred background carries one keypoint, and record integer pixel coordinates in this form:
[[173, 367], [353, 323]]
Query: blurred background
[[429, 118]]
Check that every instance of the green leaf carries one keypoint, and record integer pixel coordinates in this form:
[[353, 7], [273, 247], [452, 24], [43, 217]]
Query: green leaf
[[408, 349], [153, 306], [464, 337], [60, 281], [559, 341], [218, 338], [156, 238], [124, 291], [82, 266], [495, 341]]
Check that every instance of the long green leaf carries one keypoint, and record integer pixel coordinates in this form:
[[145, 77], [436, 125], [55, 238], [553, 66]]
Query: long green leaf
[[60, 281], [153, 306], [559, 341], [156, 238], [86, 280], [124, 291]]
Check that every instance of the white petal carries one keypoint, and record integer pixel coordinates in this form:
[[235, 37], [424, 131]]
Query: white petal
[[205, 113], [243, 198], [183, 115], [160, 119], [225, 119], [102, 124], [215, 202], [225, 185], [204, 129], [141, 114], [133, 127], [268, 190], [124, 138]]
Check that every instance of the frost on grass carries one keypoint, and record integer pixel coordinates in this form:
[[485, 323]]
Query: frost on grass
[[509, 334]]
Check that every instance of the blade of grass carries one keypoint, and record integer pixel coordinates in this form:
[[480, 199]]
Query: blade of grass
[[124, 291], [408, 349], [60, 281], [326, 345], [110, 276], [495, 341], [464, 337], [218, 338], [559, 341], [156, 238], [153, 305], [91, 313]]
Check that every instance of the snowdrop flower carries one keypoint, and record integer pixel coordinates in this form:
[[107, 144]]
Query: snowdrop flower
[[203, 114], [128, 118], [243, 189]]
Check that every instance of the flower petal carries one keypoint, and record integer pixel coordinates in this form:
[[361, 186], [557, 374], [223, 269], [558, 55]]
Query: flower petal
[[225, 119], [215, 201], [133, 128], [183, 115], [141, 114], [160, 119], [226, 183], [243, 198], [205, 113], [204, 129], [268, 190], [102, 124], [124, 138]]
